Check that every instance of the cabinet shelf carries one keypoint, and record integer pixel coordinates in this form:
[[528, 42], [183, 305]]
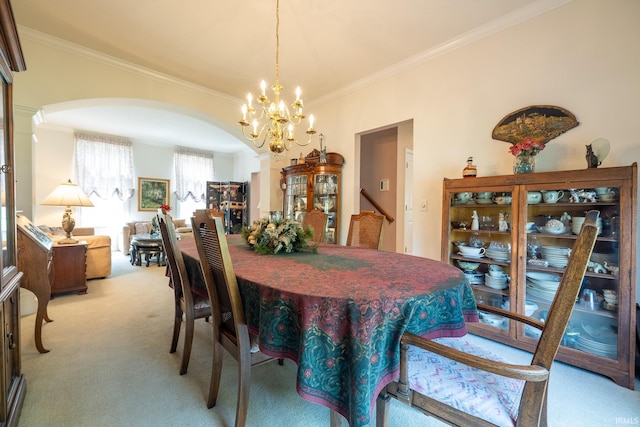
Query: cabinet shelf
[[619, 222]]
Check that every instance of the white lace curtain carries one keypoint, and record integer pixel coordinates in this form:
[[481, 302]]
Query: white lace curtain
[[103, 165], [193, 169]]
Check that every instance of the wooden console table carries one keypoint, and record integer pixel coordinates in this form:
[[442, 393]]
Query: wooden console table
[[69, 268]]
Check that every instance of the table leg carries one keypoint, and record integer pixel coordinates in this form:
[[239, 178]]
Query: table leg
[[41, 316]]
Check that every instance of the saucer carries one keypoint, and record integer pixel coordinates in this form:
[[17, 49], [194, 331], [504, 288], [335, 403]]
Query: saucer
[[471, 256]]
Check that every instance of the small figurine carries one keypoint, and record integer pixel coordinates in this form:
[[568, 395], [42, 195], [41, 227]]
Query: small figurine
[[470, 171], [475, 225], [592, 159], [502, 222], [323, 151], [301, 159]]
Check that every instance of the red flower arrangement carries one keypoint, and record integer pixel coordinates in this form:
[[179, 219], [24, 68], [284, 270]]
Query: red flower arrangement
[[527, 146], [165, 208]]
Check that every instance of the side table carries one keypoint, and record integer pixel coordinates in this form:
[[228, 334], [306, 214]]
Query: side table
[[146, 246], [69, 268]]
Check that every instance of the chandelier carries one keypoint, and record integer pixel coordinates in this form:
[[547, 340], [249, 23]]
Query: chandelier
[[274, 123]]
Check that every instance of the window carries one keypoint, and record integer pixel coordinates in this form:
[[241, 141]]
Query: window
[[103, 168], [103, 165], [192, 171]]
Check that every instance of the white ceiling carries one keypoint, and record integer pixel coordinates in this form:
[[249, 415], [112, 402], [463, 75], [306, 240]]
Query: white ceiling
[[229, 46]]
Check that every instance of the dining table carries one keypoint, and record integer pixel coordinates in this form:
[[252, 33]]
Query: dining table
[[339, 313]]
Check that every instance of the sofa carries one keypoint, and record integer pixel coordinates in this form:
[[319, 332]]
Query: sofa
[[143, 227], [98, 248]]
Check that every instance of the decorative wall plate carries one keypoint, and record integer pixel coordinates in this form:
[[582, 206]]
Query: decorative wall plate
[[540, 122]]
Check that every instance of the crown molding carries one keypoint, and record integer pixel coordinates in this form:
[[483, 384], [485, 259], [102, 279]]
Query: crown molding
[[507, 21], [52, 42]]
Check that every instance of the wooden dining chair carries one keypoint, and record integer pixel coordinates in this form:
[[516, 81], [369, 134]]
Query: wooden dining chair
[[193, 304], [317, 220], [365, 230], [230, 329], [464, 385]]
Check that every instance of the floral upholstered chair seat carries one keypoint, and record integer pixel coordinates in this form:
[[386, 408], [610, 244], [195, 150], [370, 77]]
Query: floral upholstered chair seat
[[486, 395]]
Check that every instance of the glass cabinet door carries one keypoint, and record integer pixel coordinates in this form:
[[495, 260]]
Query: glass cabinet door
[[481, 243], [295, 202], [554, 219], [325, 198], [7, 214]]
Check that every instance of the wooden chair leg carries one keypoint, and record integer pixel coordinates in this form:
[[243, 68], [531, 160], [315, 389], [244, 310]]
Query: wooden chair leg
[[177, 323], [188, 342], [244, 373], [216, 373], [382, 409], [335, 419]]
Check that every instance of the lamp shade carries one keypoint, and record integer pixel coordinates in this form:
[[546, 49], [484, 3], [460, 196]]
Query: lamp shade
[[67, 194]]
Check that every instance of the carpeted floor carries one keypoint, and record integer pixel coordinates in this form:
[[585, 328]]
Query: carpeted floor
[[110, 365]]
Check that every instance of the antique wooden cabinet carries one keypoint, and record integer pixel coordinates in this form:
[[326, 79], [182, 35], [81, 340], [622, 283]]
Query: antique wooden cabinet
[[314, 185], [526, 225], [13, 385], [69, 268], [230, 198]]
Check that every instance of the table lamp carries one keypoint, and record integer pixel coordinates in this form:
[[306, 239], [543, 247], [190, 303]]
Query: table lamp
[[67, 194]]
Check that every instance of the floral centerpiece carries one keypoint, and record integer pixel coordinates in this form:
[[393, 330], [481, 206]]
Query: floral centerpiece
[[525, 152], [278, 236]]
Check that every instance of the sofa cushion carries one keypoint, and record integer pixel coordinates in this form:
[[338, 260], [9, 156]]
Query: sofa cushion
[[179, 223], [142, 227]]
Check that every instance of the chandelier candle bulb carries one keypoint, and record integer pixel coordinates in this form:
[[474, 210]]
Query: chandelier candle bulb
[[298, 91]]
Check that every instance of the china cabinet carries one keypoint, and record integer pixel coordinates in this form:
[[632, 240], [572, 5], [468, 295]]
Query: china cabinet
[[527, 224], [230, 198], [311, 184], [13, 384]]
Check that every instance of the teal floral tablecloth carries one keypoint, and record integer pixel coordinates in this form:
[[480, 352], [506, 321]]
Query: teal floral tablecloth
[[339, 315]]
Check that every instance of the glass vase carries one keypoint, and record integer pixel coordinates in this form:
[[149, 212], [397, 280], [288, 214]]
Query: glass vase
[[524, 163]]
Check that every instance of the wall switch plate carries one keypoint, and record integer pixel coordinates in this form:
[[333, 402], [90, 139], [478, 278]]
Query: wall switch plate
[[384, 185]]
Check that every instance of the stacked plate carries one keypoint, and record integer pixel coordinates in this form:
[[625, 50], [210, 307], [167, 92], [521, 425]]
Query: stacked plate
[[498, 255], [556, 256], [542, 285], [495, 282], [474, 278], [576, 224], [602, 341]]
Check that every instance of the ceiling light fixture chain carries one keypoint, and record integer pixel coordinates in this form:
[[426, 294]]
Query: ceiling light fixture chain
[[279, 122]]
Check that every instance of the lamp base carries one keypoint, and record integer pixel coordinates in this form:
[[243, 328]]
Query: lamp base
[[67, 241]]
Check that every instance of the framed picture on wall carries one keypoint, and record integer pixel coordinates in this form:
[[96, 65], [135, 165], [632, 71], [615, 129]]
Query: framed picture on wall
[[152, 193]]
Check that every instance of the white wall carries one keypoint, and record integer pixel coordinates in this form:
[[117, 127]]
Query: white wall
[[582, 56]]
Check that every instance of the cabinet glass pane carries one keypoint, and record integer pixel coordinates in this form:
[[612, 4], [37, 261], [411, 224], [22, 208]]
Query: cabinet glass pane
[[325, 198], [554, 218], [6, 215], [480, 239], [296, 197]]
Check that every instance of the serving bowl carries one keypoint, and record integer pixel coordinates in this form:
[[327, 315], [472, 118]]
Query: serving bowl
[[468, 266]]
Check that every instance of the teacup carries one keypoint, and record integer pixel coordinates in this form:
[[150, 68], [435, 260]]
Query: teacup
[[602, 190], [464, 197], [502, 200], [534, 197], [471, 251], [494, 267], [552, 196], [484, 195], [496, 273], [607, 197]]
